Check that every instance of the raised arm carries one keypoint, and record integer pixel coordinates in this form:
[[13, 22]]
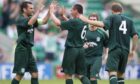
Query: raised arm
[[65, 17], [53, 17], [96, 23], [46, 18], [63, 11], [35, 16]]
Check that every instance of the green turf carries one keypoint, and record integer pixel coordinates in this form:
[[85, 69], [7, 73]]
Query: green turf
[[63, 82]]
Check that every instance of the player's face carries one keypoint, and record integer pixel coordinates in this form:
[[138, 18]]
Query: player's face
[[93, 18], [30, 10], [73, 12]]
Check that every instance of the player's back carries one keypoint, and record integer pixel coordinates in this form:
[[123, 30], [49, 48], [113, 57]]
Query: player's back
[[120, 31], [76, 32]]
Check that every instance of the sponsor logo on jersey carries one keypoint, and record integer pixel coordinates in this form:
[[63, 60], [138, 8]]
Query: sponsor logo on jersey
[[30, 30]]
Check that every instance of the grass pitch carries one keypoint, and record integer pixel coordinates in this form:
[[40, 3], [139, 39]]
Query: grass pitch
[[60, 81]]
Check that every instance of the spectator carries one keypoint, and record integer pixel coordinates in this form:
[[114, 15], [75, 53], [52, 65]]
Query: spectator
[[49, 43], [1, 55], [5, 14]]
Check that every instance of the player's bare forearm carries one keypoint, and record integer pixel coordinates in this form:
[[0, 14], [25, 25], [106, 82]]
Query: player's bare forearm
[[55, 19], [63, 14], [65, 18], [46, 18], [105, 55], [96, 23], [134, 42], [106, 52], [34, 18], [52, 9]]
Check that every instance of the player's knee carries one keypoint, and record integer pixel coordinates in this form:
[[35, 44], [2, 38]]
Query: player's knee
[[112, 73], [120, 75], [68, 76], [93, 78], [34, 74], [76, 76], [19, 76], [79, 76]]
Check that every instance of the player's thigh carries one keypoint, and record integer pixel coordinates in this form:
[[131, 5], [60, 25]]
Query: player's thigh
[[89, 61], [32, 67], [113, 60], [87, 70], [21, 59], [81, 62], [123, 61], [96, 66], [68, 63]]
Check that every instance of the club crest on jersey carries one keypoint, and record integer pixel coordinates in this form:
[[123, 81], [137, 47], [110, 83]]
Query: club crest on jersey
[[98, 39]]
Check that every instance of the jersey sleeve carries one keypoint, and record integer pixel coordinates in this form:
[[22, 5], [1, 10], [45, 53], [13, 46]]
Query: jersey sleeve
[[107, 22], [67, 25], [132, 30]]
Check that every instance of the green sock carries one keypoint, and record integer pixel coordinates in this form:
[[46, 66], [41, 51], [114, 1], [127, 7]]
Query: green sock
[[34, 81], [69, 81], [113, 79], [120, 80], [14, 81], [85, 80], [93, 81]]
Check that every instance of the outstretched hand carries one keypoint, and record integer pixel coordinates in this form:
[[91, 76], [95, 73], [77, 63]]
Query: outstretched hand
[[86, 45], [52, 7], [40, 7], [62, 11]]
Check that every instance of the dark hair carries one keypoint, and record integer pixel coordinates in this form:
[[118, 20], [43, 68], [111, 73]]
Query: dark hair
[[24, 5], [116, 7], [94, 15], [79, 8]]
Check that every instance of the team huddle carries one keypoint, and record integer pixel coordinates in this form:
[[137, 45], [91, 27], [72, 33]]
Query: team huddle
[[85, 44]]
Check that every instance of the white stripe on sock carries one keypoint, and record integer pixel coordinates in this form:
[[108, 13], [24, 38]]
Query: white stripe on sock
[[121, 81], [113, 78]]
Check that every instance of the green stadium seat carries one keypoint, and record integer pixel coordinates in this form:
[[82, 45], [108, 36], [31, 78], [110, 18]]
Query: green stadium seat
[[136, 21], [95, 6], [91, 1]]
